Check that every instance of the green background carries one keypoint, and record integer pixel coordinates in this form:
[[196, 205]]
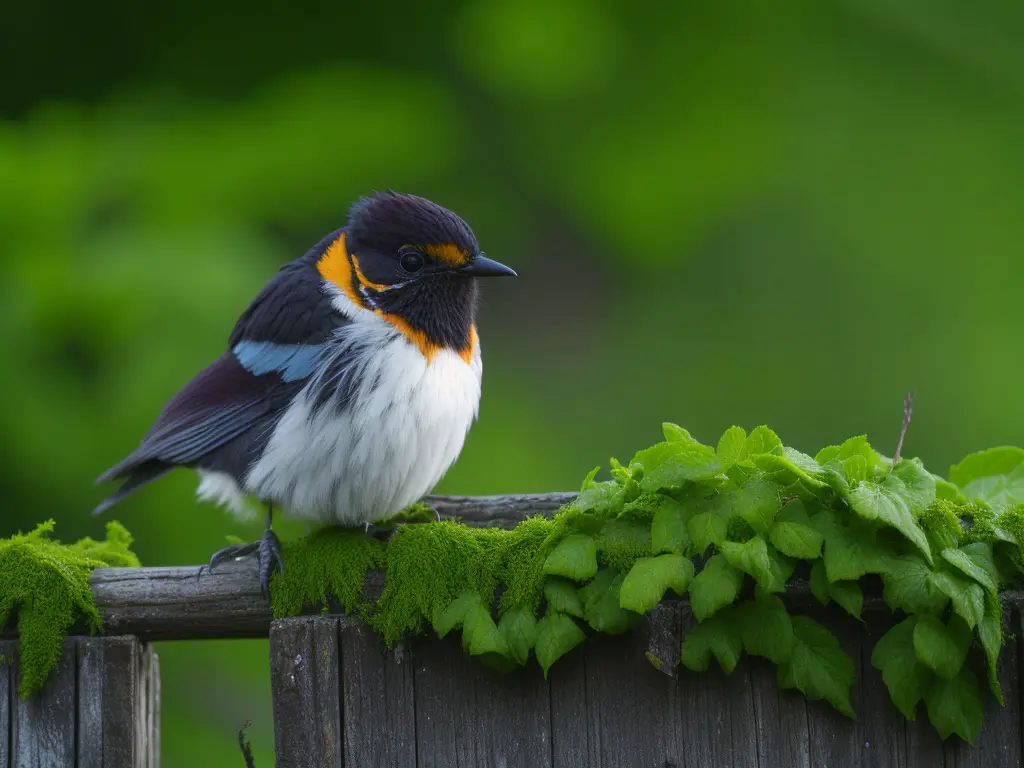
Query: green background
[[721, 213]]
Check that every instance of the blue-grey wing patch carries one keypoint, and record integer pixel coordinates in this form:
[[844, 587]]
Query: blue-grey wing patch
[[291, 361]]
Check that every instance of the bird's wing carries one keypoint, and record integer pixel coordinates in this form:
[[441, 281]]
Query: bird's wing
[[274, 348]]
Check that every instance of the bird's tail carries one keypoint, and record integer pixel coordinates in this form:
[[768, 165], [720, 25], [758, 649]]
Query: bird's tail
[[136, 477]]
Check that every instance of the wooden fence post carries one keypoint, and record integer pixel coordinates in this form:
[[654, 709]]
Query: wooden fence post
[[100, 708]]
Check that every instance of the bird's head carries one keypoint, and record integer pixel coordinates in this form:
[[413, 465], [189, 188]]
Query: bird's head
[[413, 263]]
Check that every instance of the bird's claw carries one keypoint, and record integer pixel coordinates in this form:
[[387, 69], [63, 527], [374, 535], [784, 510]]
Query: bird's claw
[[268, 557]]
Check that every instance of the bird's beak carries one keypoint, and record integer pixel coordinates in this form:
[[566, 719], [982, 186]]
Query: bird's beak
[[481, 266]]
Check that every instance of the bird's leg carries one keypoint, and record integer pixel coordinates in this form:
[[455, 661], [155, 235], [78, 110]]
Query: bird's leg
[[267, 551]]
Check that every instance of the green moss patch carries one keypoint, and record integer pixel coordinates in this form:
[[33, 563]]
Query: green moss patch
[[45, 588]]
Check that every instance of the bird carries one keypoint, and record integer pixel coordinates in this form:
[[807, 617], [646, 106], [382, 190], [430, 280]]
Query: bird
[[348, 385]]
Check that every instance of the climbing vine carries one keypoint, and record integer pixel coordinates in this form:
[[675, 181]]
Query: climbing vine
[[731, 527]]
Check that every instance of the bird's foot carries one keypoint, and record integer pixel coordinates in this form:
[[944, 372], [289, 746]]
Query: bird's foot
[[268, 557]]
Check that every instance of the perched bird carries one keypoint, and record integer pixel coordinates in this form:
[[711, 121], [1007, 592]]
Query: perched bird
[[348, 386]]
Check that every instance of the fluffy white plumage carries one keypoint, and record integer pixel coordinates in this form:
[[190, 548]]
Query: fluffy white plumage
[[386, 449]]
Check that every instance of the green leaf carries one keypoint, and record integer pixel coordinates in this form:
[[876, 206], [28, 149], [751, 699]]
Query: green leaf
[[480, 635], [850, 551], [607, 497], [766, 628], [918, 482], [946, 490], [575, 557], [819, 582], [715, 587], [780, 569], [732, 448], [995, 476], [668, 529], [756, 501], [763, 440], [799, 465], [718, 636], [967, 596], [707, 528], [453, 616], [954, 706], [671, 465], [990, 632], [817, 666], [647, 580], [793, 533], [750, 557], [908, 586], [889, 502], [855, 469], [977, 562], [557, 634], [518, 626], [906, 678], [601, 608], [676, 434], [941, 647], [848, 595], [562, 596]]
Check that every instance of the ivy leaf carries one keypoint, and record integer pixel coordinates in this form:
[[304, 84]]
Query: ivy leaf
[[977, 562], [946, 490], [793, 533], [918, 482], [906, 678], [607, 497], [889, 502], [707, 528], [750, 557], [855, 469], [818, 666], [756, 501], [454, 614], [562, 597], [850, 552], [990, 632], [942, 647], [732, 447], [954, 706], [668, 529], [908, 586], [718, 636], [763, 440], [557, 634], [676, 434], [766, 628], [575, 557], [819, 582], [670, 465], [715, 587], [647, 580], [601, 608], [480, 635], [518, 626], [995, 477], [780, 569], [967, 596], [801, 466], [848, 595]]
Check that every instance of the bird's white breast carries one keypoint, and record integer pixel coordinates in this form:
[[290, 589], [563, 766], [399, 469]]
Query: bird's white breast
[[387, 447]]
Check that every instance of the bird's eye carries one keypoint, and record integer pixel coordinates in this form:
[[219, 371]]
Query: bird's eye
[[411, 261]]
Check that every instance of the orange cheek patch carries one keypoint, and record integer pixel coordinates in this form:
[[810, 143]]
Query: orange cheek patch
[[449, 253], [335, 267]]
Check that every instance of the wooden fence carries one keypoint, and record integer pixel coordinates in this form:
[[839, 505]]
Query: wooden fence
[[343, 699]]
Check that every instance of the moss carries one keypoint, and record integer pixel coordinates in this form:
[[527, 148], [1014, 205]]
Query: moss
[[45, 588]]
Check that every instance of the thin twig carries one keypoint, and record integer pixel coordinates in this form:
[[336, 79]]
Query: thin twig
[[908, 412], [245, 746]]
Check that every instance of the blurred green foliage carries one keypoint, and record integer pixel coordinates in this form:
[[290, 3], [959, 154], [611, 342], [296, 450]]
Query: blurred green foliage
[[721, 213]]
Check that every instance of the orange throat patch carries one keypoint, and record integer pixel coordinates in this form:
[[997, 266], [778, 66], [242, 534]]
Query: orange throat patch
[[341, 268]]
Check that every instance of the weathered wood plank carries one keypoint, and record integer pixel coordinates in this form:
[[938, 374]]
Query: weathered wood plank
[[470, 715], [44, 723], [610, 706], [378, 699], [780, 719], [885, 742], [834, 739], [6, 698], [305, 682]]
